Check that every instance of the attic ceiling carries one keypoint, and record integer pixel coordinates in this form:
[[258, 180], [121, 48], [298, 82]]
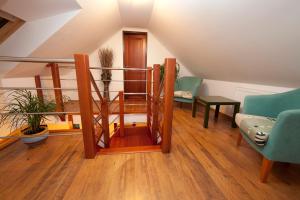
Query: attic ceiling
[[135, 13], [249, 41], [37, 9]]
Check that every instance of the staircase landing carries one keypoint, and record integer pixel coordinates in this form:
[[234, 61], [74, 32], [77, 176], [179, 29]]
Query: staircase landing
[[136, 139]]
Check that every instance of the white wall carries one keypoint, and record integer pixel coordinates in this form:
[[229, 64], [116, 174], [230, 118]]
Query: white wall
[[30, 36], [156, 53], [236, 91]]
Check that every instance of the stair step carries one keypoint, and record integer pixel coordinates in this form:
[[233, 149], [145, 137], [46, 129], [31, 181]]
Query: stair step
[[135, 149]]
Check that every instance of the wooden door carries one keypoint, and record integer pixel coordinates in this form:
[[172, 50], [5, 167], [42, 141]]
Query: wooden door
[[135, 56]]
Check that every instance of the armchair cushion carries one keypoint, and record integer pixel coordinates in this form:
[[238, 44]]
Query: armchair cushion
[[256, 128], [184, 94]]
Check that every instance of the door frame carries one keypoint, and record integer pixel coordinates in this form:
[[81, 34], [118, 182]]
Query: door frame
[[123, 37]]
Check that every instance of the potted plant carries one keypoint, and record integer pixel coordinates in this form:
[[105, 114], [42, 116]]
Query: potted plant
[[106, 57], [22, 102], [162, 71]]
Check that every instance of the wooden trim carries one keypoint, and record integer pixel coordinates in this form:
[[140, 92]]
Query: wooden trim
[[121, 111], [85, 104], [169, 80], [38, 84], [149, 81], [58, 92], [8, 16], [12, 26], [135, 33], [265, 169]]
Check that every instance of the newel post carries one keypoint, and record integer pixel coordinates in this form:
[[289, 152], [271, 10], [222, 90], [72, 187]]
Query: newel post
[[169, 80], [86, 104], [155, 102]]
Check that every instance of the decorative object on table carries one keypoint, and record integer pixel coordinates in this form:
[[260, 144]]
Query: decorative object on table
[[20, 103], [162, 71], [186, 90], [208, 101], [106, 58], [271, 125]]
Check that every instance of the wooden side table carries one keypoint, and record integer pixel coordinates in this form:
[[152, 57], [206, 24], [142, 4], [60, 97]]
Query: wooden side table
[[207, 101]]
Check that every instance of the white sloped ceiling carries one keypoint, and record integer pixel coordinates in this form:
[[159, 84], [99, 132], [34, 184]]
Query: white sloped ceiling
[[30, 10], [95, 22], [250, 41]]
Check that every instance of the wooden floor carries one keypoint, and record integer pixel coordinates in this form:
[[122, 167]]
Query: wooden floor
[[203, 164]]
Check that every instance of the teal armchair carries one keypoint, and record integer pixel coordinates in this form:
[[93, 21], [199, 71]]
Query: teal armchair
[[188, 83], [283, 143]]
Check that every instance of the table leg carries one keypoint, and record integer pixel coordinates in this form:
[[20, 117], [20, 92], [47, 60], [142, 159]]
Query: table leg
[[236, 110], [194, 108], [217, 111], [206, 115]]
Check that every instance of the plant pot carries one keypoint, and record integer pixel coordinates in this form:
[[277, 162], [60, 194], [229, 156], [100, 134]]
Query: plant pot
[[36, 138]]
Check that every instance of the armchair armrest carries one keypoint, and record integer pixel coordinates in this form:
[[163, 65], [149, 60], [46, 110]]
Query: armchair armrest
[[284, 140]]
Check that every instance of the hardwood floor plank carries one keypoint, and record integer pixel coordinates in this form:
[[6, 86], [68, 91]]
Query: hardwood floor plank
[[203, 164]]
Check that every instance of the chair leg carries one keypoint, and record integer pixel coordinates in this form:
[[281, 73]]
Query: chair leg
[[194, 109], [239, 139], [265, 169]]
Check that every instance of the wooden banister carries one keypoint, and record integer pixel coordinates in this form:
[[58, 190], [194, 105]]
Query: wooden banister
[[105, 122], [169, 80], [155, 102], [38, 84], [149, 81], [57, 92], [96, 87], [86, 104], [121, 111]]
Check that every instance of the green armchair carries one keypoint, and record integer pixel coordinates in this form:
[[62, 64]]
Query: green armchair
[[283, 143], [191, 84]]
